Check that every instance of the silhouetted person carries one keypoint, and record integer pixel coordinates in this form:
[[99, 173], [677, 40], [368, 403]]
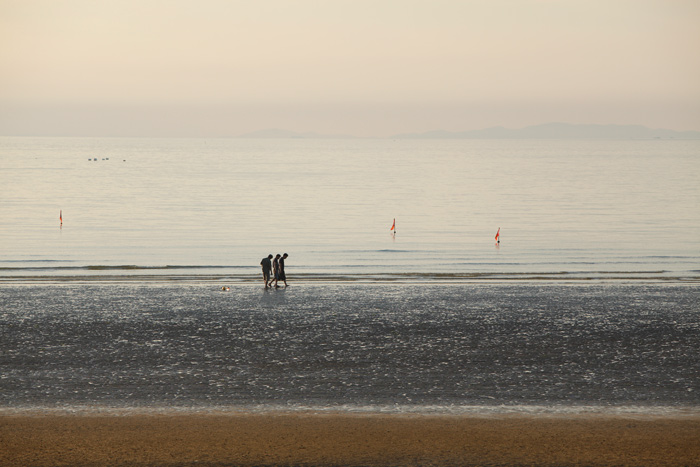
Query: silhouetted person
[[281, 276], [266, 270], [276, 269]]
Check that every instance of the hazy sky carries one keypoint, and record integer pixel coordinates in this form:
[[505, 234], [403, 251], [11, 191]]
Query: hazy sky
[[362, 67]]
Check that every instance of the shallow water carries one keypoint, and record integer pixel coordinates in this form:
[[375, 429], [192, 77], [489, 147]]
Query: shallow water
[[350, 347]]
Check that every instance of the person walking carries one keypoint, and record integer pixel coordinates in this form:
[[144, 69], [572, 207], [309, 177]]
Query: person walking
[[282, 276], [266, 269], [276, 269]]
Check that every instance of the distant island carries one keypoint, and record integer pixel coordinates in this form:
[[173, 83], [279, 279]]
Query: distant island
[[544, 131], [273, 133], [559, 131]]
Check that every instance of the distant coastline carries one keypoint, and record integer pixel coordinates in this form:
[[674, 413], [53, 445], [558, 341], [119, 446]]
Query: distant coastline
[[560, 131], [543, 131], [276, 133]]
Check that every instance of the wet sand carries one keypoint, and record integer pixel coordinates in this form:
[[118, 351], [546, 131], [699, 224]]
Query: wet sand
[[348, 440]]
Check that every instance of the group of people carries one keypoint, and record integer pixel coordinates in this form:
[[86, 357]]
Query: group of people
[[273, 270]]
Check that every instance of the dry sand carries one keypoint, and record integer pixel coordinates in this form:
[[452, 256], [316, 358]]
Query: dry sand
[[347, 440]]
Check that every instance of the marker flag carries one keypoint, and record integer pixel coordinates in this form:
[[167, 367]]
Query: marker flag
[[393, 226], [60, 216], [498, 233]]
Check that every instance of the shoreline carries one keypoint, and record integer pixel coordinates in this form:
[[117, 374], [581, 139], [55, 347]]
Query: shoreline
[[396, 410], [349, 439], [429, 278]]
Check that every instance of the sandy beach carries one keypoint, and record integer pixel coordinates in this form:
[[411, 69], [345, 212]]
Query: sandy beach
[[348, 439]]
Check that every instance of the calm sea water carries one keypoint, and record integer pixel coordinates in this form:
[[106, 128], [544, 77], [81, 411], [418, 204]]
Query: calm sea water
[[121, 307], [579, 207]]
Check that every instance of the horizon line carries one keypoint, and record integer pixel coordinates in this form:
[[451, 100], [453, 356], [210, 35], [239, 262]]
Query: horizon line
[[282, 133]]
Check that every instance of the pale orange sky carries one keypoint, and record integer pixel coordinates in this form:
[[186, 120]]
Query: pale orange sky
[[367, 68]]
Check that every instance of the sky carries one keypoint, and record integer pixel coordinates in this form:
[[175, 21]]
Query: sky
[[370, 68]]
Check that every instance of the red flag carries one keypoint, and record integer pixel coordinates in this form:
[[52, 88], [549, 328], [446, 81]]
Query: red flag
[[60, 216], [393, 226], [498, 233]]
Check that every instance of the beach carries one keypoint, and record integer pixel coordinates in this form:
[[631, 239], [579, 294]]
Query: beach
[[348, 439], [350, 375]]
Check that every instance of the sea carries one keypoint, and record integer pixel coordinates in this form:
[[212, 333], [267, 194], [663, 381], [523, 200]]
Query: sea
[[130, 276]]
